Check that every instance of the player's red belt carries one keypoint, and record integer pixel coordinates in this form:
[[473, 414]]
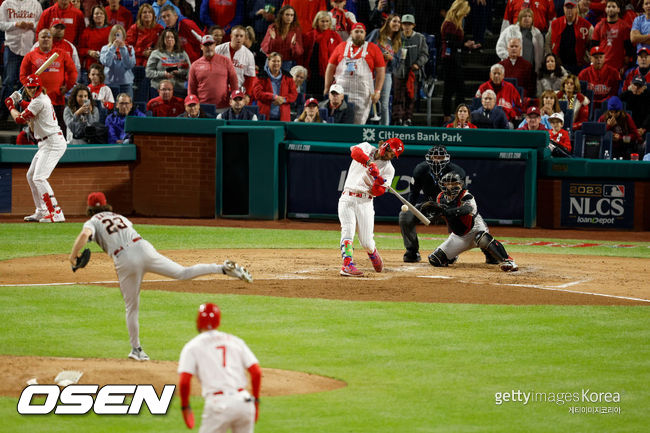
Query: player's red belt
[[358, 194], [221, 392], [48, 136], [121, 248]]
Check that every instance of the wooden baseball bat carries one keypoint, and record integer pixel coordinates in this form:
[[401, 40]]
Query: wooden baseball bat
[[412, 208]]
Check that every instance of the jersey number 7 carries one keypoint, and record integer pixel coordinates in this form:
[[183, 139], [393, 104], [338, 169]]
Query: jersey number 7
[[223, 349]]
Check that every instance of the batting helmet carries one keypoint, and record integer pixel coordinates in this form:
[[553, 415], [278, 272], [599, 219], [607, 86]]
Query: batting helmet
[[395, 144], [34, 80], [452, 185], [437, 158], [208, 318]]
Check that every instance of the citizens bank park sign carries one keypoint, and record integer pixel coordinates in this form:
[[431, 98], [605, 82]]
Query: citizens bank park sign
[[372, 135], [598, 204]]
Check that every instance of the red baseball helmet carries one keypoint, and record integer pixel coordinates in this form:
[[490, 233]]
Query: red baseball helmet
[[395, 144], [34, 80], [208, 318]]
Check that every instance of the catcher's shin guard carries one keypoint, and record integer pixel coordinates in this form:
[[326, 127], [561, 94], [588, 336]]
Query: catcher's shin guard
[[491, 246], [438, 258]]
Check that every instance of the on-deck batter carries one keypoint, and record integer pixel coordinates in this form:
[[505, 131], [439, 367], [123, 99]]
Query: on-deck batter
[[39, 113], [220, 362], [133, 257], [368, 174], [467, 229]]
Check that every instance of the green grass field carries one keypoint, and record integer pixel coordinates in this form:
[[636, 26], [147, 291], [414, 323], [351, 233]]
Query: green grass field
[[410, 367]]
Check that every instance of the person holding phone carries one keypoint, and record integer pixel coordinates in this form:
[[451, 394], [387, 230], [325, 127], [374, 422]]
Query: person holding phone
[[118, 59], [79, 114]]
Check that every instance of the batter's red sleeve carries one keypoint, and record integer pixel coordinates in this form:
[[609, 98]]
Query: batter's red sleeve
[[359, 156], [378, 187], [184, 386], [256, 379], [24, 117]]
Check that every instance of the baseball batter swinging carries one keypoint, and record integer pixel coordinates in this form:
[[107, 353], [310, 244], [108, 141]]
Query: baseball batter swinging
[[368, 174], [467, 229], [39, 113], [220, 361], [133, 257]]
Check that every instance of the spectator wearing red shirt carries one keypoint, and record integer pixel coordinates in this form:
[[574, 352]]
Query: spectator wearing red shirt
[[117, 14], [533, 121], [325, 40], [559, 136], [625, 136], [461, 119], [643, 60], [275, 90], [187, 30], [576, 101], [56, 79], [508, 98], [543, 13], [284, 37], [612, 34], [517, 67], [226, 14], [602, 79], [64, 12], [212, 77], [166, 104], [569, 37], [94, 37], [143, 34], [359, 67], [306, 10]]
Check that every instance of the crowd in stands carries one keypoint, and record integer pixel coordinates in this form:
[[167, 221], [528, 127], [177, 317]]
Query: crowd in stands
[[562, 62]]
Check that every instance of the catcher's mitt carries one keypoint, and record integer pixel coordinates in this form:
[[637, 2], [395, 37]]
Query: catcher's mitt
[[82, 260], [433, 209]]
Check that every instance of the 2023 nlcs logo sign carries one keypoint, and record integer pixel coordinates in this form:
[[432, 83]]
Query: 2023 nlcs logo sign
[[596, 204]]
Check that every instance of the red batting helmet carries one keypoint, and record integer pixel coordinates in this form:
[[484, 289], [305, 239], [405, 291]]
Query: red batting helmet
[[208, 318], [395, 144], [34, 80]]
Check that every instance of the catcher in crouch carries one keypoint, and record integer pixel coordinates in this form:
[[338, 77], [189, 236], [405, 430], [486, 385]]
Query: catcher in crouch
[[133, 257], [466, 226]]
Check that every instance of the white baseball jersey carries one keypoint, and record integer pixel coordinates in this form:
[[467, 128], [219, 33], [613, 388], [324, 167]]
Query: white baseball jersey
[[359, 180], [111, 231], [44, 122], [219, 360], [243, 61], [18, 40]]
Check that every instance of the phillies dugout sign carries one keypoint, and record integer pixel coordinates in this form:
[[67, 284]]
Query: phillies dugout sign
[[315, 181], [598, 204]]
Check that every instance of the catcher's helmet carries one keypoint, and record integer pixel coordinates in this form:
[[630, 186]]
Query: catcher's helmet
[[452, 185], [437, 158], [395, 144], [208, 318], [34, 80]]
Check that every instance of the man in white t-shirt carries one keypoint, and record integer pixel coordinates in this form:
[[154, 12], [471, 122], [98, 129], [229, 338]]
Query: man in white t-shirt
[[242, 58], [133, 257], [221, 362]]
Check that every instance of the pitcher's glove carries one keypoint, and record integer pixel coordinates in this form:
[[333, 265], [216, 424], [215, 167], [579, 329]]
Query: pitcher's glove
[[82, 260], [433, 209]]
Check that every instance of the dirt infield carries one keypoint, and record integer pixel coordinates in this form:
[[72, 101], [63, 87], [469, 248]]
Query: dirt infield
[[555, 279]]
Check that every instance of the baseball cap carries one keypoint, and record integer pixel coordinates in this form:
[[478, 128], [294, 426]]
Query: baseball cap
[[572, 3], [644, 50], [336, 88], [638, 80], [237, 94], [191, 99], [96, 199], [207, 39], [408, 18], [595, 51], [58, 22], [614, 103], [557, 116], [310, 101], [532, 111], [358, 26]]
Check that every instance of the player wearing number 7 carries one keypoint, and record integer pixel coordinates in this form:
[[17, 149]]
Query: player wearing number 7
[[133, 257]]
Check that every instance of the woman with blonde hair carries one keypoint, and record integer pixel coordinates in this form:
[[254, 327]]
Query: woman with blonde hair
[[576, 101], [452, 36], [319, 44], [310, 114], [389, 41], [532, 48], [118, 59], [143, 34], [284, 37]]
